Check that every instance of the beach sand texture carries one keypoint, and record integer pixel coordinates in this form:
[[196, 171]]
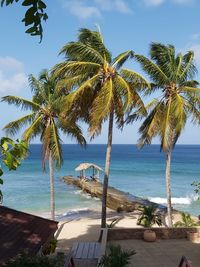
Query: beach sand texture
[[160, 253]]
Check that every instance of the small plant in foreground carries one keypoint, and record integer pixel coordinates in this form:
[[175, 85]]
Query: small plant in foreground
[[149, 217], [37, 261], [51, 247], [116, 257], [187, 221]]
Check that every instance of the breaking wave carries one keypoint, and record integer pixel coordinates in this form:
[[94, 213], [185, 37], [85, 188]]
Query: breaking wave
[[74, 213], [175, 200]]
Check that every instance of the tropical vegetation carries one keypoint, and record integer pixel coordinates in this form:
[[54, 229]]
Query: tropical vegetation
[[34, 16], [116, 257], [149, 216], [45, 120], [91, 86], [11, 154], [100, 89], [37, 261], [172, 75], [186, 221]]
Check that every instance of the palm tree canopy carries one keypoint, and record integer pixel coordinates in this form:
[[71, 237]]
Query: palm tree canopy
[[173, 75], [96, 82], [45, 119]]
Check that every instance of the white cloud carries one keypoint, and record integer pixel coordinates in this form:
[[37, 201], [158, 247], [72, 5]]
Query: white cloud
[[104, 4], [10, 63], [12, 76], [81, 10], [85, 9], [182, 2], [195, 36], [153, 2], [122, 7]]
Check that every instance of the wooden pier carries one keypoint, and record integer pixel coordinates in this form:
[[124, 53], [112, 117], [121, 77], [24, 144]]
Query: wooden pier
[[116, 200]]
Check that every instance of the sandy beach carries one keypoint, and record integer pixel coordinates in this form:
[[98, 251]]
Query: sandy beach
[[88, 228]]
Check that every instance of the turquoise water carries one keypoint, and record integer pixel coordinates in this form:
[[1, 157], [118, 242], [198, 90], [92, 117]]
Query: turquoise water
[[140, 172]]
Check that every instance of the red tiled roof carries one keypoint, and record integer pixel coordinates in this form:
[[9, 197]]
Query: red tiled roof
[[22, 232]]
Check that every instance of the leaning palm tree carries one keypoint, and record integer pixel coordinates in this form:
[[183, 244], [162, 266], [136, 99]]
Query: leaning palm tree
[[45, 120], [100, 89], [172, 75]]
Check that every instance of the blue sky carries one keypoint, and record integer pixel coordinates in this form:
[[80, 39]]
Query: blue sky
[[130, 24]]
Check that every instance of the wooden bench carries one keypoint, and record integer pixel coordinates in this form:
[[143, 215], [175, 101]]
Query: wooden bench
[[87, 250]]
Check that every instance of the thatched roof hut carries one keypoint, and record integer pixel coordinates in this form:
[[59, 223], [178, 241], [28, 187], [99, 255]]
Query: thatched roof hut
[[84, 166]]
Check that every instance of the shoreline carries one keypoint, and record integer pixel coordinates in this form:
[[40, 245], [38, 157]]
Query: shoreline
[[87, 229]]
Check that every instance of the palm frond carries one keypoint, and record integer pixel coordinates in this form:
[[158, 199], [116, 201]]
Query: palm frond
[[34, 129], [189, 69], [166, 127], [164, 57], [135, 79], [70, 128], [78, 51], [192, 90], [150, 126], [190, 83], [83, 87], [15, 126], [74, 68], [56, 145], [124, 91], [119, 61], [101, 107], [20, 102], [46, 138], [95, 40], [152, 69]]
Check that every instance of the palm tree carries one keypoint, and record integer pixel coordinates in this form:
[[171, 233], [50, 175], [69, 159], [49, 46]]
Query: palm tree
[[172, 75], [101, 90], [45, 120]]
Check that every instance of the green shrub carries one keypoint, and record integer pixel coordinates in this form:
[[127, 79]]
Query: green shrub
[[187, 221], [50, 248], [37, 261], [116, 257], [149, 217]]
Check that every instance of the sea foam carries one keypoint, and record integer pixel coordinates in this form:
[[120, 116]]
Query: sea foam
[[74, 213], [175, 200]]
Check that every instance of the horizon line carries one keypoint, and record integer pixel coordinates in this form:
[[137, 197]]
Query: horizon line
[[119, 144]]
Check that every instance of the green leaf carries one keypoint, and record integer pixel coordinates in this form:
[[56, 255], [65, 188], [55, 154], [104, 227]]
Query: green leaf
[[28, 2], [45, 16], [5, 146], [1, 181], [41, 5], [1, 172], [32, 30]]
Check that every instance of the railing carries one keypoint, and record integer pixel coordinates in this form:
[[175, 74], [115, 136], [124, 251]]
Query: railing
[[69, 261], [185, 261]]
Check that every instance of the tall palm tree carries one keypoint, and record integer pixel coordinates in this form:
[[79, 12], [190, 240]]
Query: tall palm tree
[[101, 89], [172, 75], [45, 120]]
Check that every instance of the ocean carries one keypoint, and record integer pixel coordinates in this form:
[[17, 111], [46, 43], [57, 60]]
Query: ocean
[[139, 172]]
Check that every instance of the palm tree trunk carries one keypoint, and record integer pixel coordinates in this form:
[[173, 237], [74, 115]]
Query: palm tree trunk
[[52, 191], [168, 188], [107, 169]]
